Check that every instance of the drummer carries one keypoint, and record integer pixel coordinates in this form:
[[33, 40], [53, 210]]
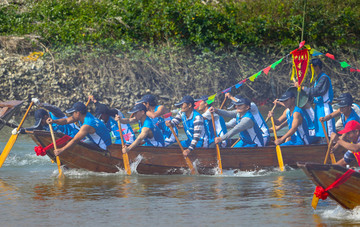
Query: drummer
[[350, 140]]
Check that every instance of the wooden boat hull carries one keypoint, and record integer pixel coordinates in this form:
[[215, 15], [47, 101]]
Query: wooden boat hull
[[169, 160], [8, 109], [346, 194]]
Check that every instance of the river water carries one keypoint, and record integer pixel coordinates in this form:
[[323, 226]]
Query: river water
[[32, 195]]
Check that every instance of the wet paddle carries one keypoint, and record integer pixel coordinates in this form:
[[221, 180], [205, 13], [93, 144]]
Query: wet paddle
[[332, 156], [55, 147], [125, 155], [188, 162], [217, 145], [12, 139], [278, 149]]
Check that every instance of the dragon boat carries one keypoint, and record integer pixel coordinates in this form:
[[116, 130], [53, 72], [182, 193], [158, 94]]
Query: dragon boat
[[169, 160]]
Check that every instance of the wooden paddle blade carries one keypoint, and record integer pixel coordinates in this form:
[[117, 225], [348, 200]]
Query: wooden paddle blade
[[125, 155], [12, 139], [7, 149], [279, 157], [59, 166], [314, 201], [190, 165], [126, 163], [219, 158]]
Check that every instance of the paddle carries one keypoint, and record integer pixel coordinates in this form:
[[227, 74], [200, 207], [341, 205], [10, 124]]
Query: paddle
[[12, 139], [332, 156], [217, 145], [222, 104], [188, 162], [278, 150], [235, 142], [125, 155], [267, 118], [55, 147]]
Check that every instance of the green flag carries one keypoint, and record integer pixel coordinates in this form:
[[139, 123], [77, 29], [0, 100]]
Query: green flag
[[276, 63]]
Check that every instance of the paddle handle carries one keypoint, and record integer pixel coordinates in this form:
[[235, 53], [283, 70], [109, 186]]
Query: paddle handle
[[125, 155], [235, 142], [332, 156], [328, 151], [217, 145], [267, 118], [325, 132], [223, 103], [278, 149], [26, 113], [187, 160], [55, 147]]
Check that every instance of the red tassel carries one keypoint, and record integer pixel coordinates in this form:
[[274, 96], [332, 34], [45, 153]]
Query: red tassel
[[40, 151], [321, 193]]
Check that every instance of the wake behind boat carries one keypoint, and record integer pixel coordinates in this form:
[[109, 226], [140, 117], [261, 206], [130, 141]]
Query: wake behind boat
[[170, 160], [346, 193], [7, 110]]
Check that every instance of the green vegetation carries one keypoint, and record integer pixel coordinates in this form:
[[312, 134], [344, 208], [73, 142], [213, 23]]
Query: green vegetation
[[177, 47], [217, 24]]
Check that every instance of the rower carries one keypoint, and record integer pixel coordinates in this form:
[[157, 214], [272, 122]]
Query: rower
[[298, 128], [349, 139], [42, 115], [158, 115], [339, 124], [193, 123], [323, 97], [219, 121], [92, 128], [257, 116], [106, 115], [345, 110], [148, 132], [246, 126]]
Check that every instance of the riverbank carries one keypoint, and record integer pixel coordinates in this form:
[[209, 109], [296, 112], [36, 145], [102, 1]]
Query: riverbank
[[118, 79]]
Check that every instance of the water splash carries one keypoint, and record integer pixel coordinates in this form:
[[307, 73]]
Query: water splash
[[26, 160], [342, 214]]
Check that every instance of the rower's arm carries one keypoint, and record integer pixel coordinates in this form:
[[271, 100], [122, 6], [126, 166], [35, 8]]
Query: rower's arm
[[297, 120], [355, 147], [84, 130], [320, 89], [64, 121], [224, 113], [281, 119], [198, 128], [144, 133], [176, 120], [245, 123], [334, 114], [160, 111]]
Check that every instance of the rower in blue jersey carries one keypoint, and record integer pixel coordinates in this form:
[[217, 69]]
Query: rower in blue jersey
[[246, 126], [106, 115], [339, 123], [298, 133], [323, 97], [194, 126], [148, 132], [219, 121], [92, 128], [256, 114], [345, 110], [159, 114], [42, 115]]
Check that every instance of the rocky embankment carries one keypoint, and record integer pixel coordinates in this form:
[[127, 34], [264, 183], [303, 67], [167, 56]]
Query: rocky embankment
[[120, 79]]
